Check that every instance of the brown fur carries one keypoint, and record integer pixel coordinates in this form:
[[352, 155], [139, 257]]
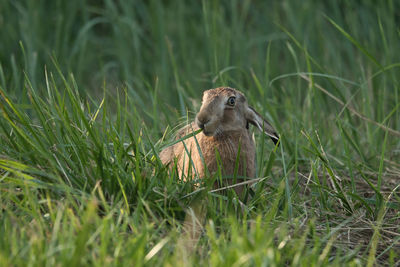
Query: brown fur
[[224, 128]]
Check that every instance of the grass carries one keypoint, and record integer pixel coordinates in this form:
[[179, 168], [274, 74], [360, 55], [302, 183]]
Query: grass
[[91, 91]]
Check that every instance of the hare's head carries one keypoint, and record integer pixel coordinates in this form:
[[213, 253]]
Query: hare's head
[[226, 110]]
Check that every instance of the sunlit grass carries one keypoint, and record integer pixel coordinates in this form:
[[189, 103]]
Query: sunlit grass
[[91, 92]]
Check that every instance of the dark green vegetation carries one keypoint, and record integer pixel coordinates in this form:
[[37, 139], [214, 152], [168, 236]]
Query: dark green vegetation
[[88, 88]]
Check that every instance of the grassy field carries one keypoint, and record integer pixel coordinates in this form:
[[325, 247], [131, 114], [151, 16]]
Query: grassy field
[[91, 91]]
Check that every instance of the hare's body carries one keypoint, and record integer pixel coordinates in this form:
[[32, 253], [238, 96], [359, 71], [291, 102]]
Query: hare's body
[[225, 146], [224, 117]]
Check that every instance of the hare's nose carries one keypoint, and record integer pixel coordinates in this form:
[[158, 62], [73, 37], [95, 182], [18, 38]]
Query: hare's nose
[[202, 121]]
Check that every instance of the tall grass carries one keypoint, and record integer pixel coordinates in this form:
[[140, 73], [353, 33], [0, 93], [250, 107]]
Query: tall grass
[[91, 91]]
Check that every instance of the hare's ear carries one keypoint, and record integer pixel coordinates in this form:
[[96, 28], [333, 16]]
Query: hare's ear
[[254, 118]]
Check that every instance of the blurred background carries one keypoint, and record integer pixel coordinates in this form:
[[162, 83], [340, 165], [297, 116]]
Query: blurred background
[[165, 53]]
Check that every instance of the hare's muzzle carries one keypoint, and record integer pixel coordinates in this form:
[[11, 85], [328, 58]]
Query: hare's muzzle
[[203, 123]]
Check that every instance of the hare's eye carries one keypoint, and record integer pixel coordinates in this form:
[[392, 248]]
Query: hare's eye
[[231, 101]]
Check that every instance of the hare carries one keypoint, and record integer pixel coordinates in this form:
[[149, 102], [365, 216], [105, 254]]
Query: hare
[[224, 118]]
